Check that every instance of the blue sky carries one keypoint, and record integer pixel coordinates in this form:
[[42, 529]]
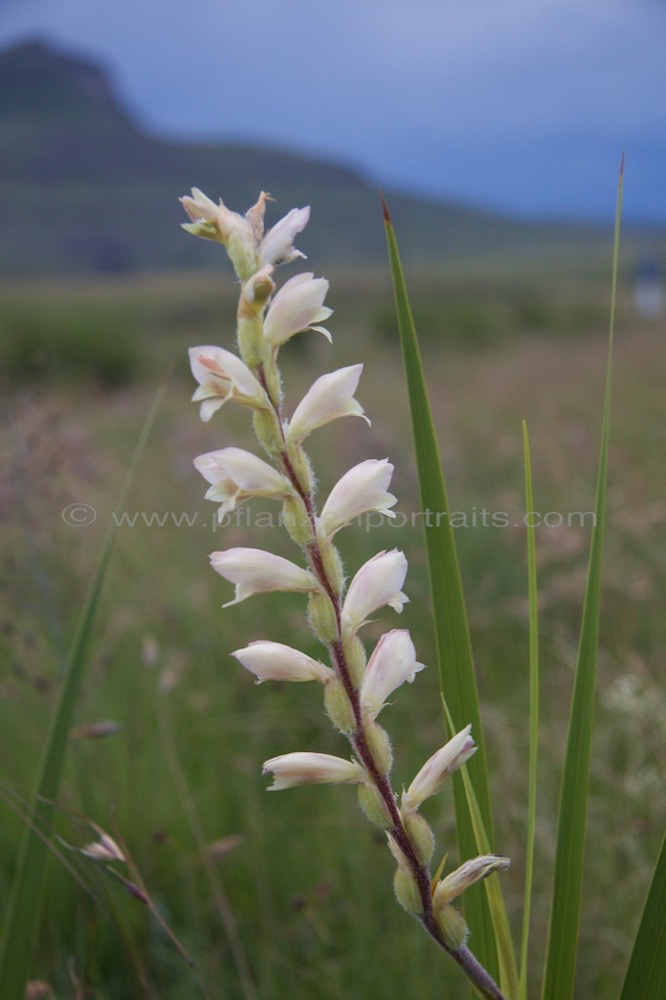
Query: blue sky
[[519, 105]]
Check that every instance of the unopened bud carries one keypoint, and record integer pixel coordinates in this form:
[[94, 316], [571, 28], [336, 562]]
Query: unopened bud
[[421, 836], [355, 658], [321, 616], [407, 891], [379, 745], [452, 926], [296, 521], [338, 707], [374, 807]]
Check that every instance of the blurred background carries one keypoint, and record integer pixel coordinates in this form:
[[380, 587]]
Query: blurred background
[[495, 132]]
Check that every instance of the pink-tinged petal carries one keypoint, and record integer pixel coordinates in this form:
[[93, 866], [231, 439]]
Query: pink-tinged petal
[[277, 246], [330, 397], [254, 571], [303, 768], [377, 583], [236, 475], [297, 306], [361, 490], [437, 769], [392, 663], [222, 376], [273, 661]]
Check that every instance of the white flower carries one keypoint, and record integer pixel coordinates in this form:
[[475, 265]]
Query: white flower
[[303, 768], [277, 246], [392, 663], [330, 397], [437, 769], [254, 571], [361, 490], [235, 475], [273, 661], [298, 306], [222, 376], [470, 872], [377, 583]]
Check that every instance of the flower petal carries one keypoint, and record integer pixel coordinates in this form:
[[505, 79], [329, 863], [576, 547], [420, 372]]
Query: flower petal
[[221, 376], [437, 769], [254, 571], [296, 307], [236, 475], [303, 768], [330, 397], [377, 583], [361, 490], [277, 245], [273, 661], [392, 663]]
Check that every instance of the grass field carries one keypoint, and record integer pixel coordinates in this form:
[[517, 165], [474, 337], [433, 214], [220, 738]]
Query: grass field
[[290, 895]]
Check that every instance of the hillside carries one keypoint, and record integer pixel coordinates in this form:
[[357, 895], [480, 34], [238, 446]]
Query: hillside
[[84, 189]]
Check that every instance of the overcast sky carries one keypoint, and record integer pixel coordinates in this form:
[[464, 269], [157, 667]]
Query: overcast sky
[[520, 105]]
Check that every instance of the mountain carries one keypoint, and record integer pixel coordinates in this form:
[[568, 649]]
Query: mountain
[[83, 188]]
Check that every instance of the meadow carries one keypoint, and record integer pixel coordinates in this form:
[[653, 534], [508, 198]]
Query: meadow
[[290, 895]]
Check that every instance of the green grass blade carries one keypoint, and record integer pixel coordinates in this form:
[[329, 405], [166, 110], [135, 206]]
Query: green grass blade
[[646, 973], [24, 902], [452, 637], [534, 717], [567, 885]]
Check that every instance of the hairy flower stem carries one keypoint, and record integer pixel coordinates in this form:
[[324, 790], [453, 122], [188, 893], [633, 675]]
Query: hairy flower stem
[[358, 738]]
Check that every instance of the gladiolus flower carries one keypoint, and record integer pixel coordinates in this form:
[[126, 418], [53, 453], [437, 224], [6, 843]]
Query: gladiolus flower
[[392, 663], [236, 475], [361, 490], [303, 768], [377, 583], [273, 661], [254, 571], [437, 769], [298, 306], [221, 376], [470, 872], [330, 397]]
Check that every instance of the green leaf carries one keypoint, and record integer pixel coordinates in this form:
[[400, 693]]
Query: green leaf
[[24, 903], [646, 973], [452, 639], [569, 855], [533, 716]]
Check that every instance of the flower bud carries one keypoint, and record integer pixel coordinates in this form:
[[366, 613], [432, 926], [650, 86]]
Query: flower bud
[[407, 892], [374, 807], [355, 658], [379, 745], [452, 926], [338, 706], [304, 768], [437, 769], [421, 836], [470, 872], [273, 661], [296, 521], [321, 616]]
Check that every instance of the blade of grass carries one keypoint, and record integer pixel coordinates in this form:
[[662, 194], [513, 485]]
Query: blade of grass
[[534, 716], [452, 637], [561, 951], [24, 901], [493, 888], [646, 973]]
